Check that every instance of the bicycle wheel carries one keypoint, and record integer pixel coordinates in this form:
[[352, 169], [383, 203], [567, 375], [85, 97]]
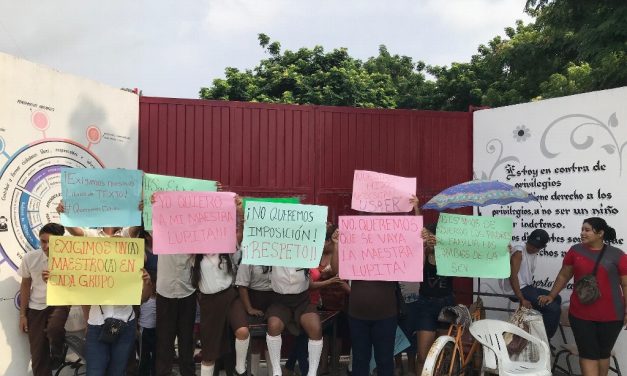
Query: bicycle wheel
[[443, 359]]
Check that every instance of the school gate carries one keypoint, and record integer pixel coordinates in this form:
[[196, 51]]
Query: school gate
[[261, 150]]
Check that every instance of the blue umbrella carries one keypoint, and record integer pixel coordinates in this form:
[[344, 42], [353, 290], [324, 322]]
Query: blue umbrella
[[478, 193]]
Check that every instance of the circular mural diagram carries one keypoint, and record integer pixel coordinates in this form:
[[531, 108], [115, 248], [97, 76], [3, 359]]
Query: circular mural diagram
[[30, 185]]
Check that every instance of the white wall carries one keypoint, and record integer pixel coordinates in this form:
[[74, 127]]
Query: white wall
[[572, 154], [48, 120]]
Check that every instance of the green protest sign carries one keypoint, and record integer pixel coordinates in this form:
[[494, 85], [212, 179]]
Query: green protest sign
[[473, 246], [279, 234], [155, 183]]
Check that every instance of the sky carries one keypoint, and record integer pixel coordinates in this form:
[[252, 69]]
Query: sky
[[172, 48]]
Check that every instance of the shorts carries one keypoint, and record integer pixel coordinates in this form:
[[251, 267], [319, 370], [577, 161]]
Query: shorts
[[260, 300], [595, 339], [215, 334], [289, 308], [428, 309]]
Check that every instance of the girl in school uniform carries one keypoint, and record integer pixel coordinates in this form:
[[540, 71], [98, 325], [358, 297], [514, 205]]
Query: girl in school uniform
[[255, 296], [254, 287], [213, 276], [291, 308]]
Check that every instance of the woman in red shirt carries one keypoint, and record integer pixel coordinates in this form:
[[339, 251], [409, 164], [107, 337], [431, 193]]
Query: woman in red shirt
[[595, 326]]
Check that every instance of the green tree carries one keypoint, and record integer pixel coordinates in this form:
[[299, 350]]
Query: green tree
[[313, 76], [573, 46]]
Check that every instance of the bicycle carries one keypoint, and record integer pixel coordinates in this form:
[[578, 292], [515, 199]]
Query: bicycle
[[447, 355]]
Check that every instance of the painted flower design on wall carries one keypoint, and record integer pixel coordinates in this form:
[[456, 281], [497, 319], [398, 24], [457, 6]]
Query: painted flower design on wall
[[495, 146], [521, 133], [596, 129]]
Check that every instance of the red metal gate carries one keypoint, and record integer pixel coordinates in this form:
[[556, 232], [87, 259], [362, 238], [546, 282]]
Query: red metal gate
[[258, 149]]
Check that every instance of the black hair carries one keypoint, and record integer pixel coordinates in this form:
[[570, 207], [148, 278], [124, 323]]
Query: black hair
[[431, 227], [599, 224], [330, 230], [52, 229], [224, 258], [143, 234]]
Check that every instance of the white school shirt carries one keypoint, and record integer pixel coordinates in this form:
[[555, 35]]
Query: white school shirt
[[174, 280], [213, 276], [148, 313], [527, 265], [120, 312], [253, 277], [288, 280], [33, 264]]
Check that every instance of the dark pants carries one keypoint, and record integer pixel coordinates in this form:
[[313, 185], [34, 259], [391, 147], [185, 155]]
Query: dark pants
[[550, 312], [300, 353], [147, 357], [109, 359], [366, 334], [176, 318], [46, 334], [595, 340]]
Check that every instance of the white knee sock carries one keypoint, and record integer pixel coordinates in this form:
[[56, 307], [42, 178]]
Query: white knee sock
[[254, 366], [206, 370], [241, 351], [266, 356], [274, 349], [315, 349]]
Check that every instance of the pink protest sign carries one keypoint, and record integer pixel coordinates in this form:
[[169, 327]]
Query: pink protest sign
[[374, 192], [193, 222], [381, 248]]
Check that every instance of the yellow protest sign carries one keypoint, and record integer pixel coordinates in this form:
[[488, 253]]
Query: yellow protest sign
[[90, 271]]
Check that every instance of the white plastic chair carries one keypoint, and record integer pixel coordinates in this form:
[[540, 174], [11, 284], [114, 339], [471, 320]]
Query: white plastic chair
[[490, 334]]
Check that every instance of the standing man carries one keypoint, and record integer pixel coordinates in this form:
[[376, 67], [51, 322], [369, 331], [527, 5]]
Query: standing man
[[523, 265], [176, 314], [44, 325]]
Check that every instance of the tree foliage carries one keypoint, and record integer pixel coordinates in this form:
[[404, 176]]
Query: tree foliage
[[573, 46]]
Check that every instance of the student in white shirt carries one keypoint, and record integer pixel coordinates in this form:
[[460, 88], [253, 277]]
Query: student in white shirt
[[291, 308], [43, 324], [255, 296], [176, 313], [213, 276], [109, 358]]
